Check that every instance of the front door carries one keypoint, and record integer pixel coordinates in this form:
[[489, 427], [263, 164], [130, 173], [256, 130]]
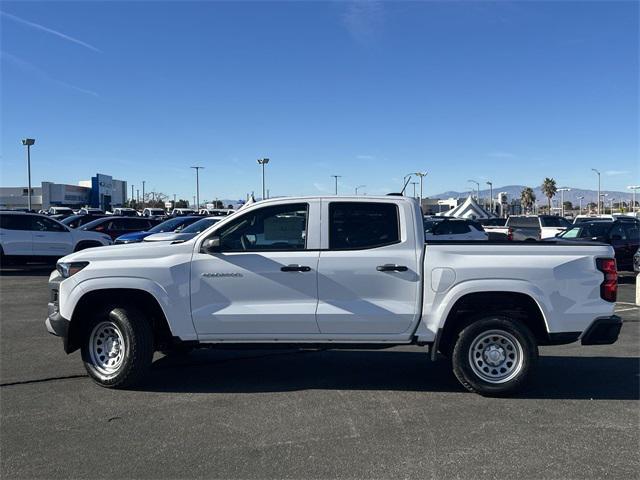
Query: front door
[[50, 238], [369, 269], [263, 278]]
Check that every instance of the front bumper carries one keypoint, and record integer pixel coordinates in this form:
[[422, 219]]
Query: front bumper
[[603, 331], [56, 324]]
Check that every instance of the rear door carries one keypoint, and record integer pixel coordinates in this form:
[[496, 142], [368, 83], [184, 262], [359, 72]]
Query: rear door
[[15, 234], [263, 281], [50, 238], [368, 272]]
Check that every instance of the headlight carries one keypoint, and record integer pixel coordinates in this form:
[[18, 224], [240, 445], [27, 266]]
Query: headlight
[[71, 268]]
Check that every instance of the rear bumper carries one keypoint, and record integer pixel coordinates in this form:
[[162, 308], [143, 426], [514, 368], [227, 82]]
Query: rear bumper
[[603, 331]]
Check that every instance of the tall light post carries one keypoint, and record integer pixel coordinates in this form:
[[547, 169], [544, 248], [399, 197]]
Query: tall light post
[[580, 199], [478, 185], [359, 187], [421, 175], [601, 198], [197, 169], [414, 188], [634, 188], [27, 142], [336, 178], [143, 182], [490, 196], [562, 190], [263, 162], [611, 205], [132, 197], [598, 173]]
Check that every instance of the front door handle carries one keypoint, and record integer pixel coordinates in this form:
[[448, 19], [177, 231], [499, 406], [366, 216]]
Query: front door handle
[[391, 267], [295, 268]]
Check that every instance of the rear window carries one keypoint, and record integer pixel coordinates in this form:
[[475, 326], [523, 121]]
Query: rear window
[[523, 222], [15, 222], [359, 225], [452, 227], [554, 222]]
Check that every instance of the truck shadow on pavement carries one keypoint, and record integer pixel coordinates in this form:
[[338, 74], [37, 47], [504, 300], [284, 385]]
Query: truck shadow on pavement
[[252, 371]]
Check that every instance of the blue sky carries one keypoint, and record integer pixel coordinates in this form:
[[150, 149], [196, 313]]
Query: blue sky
[[508, 92]]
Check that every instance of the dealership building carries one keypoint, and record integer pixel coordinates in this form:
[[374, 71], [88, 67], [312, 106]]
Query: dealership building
[[102, 191]]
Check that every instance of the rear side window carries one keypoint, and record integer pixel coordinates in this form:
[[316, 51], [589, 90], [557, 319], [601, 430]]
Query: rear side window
[[15, 222], [359, 225]]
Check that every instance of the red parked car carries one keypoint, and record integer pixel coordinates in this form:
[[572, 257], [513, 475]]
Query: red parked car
[[116, 226]]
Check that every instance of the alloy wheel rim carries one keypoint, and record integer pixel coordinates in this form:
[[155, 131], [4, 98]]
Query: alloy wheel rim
[[107, 348], [496, 356]]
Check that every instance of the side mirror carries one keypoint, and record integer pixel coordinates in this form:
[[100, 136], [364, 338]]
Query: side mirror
[[211, 245]]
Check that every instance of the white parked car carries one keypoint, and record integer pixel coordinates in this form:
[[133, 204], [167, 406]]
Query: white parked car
[[456, 229], [332, 272], [178, 212], [60, 211], [26, 237], [124, 212], [153, 212]]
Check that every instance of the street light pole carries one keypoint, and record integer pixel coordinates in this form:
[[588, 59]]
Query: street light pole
[[28, 142], [263, 162], [336, 177], [634, 188], [197, 169], [562, 190], [598, 173], [580, 211], [490, 196], [359, 187], [143, 183], [414, 188], [421, 175]]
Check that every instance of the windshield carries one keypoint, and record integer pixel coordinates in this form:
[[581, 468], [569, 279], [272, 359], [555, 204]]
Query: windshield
[[73, 221], [590, 230], [175, 224], [200, 225]]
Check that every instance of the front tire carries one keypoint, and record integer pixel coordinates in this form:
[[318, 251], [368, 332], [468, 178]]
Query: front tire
[[117, 347], [494, 356]]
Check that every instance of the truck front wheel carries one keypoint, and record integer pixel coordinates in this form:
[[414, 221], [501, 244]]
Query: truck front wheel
[[494, 356], [117, 347]]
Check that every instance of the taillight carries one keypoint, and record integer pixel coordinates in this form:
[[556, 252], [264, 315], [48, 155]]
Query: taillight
[[609, 287], [510, 234]]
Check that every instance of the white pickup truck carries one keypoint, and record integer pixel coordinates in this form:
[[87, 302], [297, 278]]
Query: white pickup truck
[[338, 272]]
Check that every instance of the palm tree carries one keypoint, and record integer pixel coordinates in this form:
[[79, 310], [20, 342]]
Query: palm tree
[[549, 189], [527, 197]]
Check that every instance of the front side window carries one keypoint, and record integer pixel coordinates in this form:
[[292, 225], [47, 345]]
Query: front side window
[[43, 224], [360, 225], [281, 227]]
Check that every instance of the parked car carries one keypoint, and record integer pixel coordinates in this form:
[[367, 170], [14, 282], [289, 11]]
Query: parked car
[[492, 222], [178, 212], [217, 212], [117, 226], [456, 229], [275, 273], [75, 221], [172, 225], [623, 234], [592, 218], [125, 212], [60, 211], [187, 233], [528, 228], [90, 211], [154, 212], [32, 237]]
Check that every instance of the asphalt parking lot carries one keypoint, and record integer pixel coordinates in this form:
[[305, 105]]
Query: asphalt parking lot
[[310, 414]]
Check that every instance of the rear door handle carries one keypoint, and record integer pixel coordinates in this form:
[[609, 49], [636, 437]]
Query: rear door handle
[[295, 268], [390, 267]]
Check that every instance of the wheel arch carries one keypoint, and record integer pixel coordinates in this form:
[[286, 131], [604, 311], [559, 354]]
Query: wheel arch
[[141, 300], [470, 306]]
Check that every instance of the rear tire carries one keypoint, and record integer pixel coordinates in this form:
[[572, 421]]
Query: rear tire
[[494, 356], [117, 347]]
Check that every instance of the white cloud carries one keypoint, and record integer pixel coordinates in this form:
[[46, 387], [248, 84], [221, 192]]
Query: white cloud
[[363, 19], [42, 28]]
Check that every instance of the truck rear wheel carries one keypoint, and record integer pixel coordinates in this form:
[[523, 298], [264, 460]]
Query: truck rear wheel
[[117, 347], [494, 356]]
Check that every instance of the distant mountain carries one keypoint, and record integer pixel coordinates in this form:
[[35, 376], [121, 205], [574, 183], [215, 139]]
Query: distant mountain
[[513, 192]]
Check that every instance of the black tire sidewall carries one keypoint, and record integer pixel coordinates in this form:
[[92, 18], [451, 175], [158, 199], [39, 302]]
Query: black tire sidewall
[[460, 358], [138, 341]]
